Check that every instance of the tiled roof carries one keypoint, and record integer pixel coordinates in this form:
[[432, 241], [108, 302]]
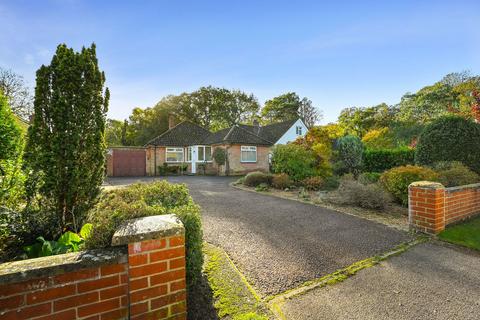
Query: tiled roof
[[236, 134], [188, 134], [183, 134]]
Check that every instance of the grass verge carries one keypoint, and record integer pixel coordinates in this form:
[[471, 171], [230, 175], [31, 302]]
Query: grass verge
[[234, 297], [465, 234]]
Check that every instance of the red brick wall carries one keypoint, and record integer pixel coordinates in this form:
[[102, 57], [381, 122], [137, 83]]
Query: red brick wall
[[147, 283], [96, 293], [432, 206], [157, 278]]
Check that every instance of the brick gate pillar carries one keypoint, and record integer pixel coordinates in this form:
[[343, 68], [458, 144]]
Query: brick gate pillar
[[156, 266], [426, 206]]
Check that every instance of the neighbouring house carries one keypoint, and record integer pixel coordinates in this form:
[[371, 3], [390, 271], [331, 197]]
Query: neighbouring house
[[248, 147]]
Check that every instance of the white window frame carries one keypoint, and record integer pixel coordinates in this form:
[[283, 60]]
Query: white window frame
[[189, 154], [299, 130], [174, 150], [248, 149], [204, 148]]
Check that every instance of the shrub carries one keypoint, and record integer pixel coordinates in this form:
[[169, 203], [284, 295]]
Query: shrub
[[450, 138], [140, 200], [384, 159], [281, 181], [294, 160], [262, 187], [220, 156], [379, 139], [330, 183], [313, 183], [397, 180], [354, 193], [350, 150], [369, 177], [452, 174], [240, 181], [253, 179], [12, 189]]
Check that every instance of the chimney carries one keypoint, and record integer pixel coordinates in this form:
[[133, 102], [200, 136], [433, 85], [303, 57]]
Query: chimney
[[171, 121], [256, 126]]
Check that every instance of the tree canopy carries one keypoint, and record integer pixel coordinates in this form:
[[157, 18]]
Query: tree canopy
[[17, 93], [289, 106]]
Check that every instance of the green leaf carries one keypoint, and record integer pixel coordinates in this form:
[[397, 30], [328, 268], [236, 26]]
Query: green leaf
[[47, 248], [68, 238], [33, 251], [86, 230]]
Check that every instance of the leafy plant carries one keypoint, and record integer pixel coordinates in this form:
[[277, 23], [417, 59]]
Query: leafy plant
[[262, 187], [450, 138], [281, 181], [397, 180], [313, 183], [379, 139], [68, 242], [350, 150], [294, 160]]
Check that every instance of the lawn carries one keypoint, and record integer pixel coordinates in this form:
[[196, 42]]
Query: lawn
[[466, 234]]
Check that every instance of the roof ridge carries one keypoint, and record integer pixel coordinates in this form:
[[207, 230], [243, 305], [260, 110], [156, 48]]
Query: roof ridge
[[229, 132], [256, 135], [181, 122]]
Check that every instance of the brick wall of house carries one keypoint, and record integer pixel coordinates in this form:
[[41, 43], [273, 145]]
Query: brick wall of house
[[237, 167], [432, 206], [142, 278]]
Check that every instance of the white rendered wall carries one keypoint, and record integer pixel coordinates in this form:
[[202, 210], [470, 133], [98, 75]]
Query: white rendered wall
[[291, 134]]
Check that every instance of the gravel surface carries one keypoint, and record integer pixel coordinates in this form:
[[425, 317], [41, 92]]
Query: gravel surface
[[278, 243], [430, 281]]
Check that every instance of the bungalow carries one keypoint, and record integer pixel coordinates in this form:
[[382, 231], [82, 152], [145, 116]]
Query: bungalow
[[247, 147]]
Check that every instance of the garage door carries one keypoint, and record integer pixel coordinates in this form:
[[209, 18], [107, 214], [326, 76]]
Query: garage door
[[128, 162]]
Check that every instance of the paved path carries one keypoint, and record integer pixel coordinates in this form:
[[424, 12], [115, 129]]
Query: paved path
[[430, 281], [277, 243]]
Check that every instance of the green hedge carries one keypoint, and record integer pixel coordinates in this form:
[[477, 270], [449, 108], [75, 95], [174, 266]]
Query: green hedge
[[149, 199], [384, 159], [450, 138]]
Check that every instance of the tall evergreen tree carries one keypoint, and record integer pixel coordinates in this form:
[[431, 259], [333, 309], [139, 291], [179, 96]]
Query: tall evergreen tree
[[66, 142]]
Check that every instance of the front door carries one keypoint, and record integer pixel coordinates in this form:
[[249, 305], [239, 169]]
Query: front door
[[194, 158]]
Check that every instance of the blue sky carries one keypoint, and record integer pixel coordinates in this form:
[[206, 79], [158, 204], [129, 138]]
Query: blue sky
[[338, 54]]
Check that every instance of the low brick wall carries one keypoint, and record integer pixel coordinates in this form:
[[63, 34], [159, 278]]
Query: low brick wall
[[431, 206], [142, 277]]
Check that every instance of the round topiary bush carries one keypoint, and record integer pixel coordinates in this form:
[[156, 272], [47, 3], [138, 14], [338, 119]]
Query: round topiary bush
[[397, 180], [255, 178], [450, 138]]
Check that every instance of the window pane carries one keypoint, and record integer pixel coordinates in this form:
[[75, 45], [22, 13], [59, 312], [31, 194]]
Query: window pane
[[174, 154], [201, 154], [189, 154], [208, 153]]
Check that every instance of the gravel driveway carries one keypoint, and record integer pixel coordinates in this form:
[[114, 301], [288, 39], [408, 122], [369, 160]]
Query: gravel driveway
[[278, 243]]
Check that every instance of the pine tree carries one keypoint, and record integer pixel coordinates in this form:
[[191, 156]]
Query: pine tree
[[66, 142]]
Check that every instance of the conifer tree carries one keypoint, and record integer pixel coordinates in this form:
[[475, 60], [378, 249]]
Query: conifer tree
[[66, 142]]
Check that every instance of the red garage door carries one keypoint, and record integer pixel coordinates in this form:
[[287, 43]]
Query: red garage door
[[128, 162]]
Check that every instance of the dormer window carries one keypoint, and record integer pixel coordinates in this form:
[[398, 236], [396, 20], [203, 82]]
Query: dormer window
[[299, 130]]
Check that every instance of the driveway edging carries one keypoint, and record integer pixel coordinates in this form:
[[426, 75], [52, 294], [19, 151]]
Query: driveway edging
[[275, 302]]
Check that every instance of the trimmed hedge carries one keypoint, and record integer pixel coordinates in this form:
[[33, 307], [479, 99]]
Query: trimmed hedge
[[450, 138], [384, 159], [149, 199]]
